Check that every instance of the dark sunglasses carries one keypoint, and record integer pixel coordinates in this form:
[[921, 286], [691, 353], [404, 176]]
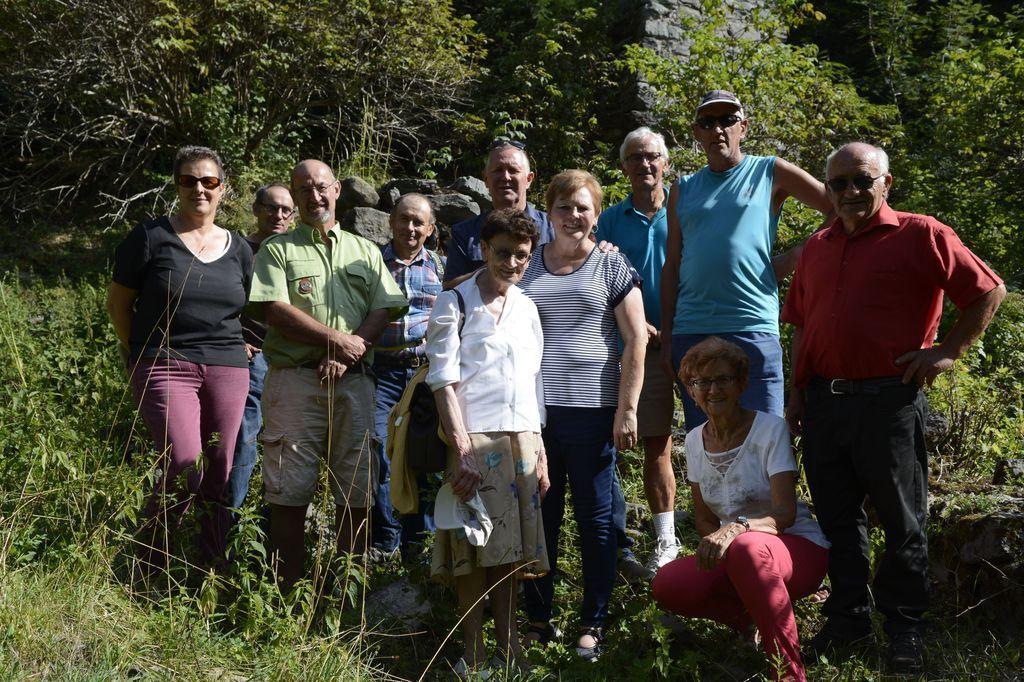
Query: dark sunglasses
[[709, 122], [861, 182], [209, 182], [505, 142]]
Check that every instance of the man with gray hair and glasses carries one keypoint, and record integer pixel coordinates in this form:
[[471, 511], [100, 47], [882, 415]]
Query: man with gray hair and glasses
[[638, 226], [273, 209], [865, 303]]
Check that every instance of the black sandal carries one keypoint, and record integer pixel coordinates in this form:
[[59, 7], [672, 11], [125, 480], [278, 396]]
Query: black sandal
[[590, 653], [544, 633]]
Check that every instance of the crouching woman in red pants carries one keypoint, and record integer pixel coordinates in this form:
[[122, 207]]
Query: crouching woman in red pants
[[760, 549]]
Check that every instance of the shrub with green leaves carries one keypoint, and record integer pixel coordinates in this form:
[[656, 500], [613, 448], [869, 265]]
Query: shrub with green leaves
[[97, 96]]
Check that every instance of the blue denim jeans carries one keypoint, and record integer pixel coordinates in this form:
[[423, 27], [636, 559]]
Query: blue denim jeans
[[388, 531], [248, 432], [623, 541], [579, 449], [765, 390]]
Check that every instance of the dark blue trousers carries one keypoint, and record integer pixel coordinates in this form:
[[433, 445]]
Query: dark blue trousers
[[580, 452]]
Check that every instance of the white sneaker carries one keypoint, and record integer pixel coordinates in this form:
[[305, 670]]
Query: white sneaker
[[664, 552]]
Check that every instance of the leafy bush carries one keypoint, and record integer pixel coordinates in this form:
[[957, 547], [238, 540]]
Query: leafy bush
[[800, 105], [97, 121]]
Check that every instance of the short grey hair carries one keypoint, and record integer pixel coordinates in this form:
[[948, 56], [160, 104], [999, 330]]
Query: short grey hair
[[522, 153], [416, 195], [642, 133], [880, 156]]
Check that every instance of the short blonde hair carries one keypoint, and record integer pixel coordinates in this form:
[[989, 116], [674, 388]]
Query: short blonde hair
[[710, 350], [569, 182]]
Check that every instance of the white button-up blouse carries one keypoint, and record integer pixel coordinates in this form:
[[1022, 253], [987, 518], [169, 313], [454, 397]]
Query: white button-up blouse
[[495, 366]]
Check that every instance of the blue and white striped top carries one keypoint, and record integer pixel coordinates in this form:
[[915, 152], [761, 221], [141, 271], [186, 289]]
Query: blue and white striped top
[[581, 340]]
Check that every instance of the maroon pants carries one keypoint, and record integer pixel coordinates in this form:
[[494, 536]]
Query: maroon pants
[[190, 410], [757, 582]]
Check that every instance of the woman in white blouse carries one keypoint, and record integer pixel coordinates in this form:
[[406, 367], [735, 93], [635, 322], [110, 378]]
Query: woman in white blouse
[[485, 374], [760, 548]]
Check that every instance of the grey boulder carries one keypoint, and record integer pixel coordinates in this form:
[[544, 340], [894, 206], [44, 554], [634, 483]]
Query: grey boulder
[[453, 208], [368, 223], [356, 192], [392, 190], [475, 189]]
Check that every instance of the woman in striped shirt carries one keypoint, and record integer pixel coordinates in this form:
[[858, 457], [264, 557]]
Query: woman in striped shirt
[[587, 301]]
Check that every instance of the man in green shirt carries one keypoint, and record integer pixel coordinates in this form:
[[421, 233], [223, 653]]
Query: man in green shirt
[[326, 295]]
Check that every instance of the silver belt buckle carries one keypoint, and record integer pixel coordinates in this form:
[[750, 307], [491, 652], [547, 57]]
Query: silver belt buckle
[[832, 387]]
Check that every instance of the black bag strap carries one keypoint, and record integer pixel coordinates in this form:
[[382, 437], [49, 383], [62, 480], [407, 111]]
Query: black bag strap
[[462, 310]]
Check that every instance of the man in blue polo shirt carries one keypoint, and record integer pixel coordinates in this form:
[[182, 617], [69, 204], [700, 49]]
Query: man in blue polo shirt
[[638, 226], [508, 176], [720, 278]]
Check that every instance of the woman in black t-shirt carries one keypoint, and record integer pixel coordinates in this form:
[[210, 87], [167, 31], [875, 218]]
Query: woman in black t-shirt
[[179, 284]]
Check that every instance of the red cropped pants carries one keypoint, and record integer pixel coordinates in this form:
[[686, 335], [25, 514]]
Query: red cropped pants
[[757, 582]]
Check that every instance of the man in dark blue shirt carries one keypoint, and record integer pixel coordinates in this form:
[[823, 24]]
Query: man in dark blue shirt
[[508, 176]]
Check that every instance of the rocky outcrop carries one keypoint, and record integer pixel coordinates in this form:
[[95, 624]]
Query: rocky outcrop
[[364, 210], [453, 208], [368, 223], [659, 26], [358, 193], [475, 189], [977, 551], [392, 190], [1009, 472]]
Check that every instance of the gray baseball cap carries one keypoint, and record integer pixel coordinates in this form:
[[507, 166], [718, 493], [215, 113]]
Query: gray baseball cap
[[720, 96]]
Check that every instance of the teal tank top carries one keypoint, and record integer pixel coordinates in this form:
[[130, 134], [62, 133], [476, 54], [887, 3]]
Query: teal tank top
[[726, 280]]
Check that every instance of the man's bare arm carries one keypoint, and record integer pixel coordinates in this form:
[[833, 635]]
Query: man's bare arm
[[669, 289], [299, 326], [373, 325], [926, 364], [785, 263], [792, 181]]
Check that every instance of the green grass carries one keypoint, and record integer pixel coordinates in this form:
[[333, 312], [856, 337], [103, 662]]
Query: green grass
[[74, 468]]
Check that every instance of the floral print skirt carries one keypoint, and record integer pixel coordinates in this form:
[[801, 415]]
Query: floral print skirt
[[508, 488]]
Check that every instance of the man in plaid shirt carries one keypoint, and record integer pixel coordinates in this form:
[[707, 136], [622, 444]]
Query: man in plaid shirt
[[399, 351]]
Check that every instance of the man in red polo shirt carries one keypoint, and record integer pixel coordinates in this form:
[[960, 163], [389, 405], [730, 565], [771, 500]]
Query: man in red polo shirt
[[866, 301]]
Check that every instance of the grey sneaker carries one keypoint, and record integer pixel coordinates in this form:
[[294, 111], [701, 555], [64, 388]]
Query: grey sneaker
[[664, 552], [632, 571]]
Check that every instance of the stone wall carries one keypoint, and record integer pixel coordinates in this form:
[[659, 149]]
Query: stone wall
[[658, 25], [363, 209]]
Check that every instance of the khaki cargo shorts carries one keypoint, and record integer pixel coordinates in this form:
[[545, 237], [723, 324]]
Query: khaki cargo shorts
[[308, 422], [656, 407]]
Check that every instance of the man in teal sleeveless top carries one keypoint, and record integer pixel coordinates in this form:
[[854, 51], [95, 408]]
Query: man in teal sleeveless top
[[720, 278]]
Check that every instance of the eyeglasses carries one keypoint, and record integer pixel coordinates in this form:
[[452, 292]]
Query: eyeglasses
[[861, 182], [286, 211], [643, 158], [307, 190], [709, 122], [505, 142], [704, 384], [503, 255], [209, 182]]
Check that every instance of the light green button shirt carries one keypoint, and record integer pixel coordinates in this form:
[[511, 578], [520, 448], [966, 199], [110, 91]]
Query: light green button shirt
[[337, 284]]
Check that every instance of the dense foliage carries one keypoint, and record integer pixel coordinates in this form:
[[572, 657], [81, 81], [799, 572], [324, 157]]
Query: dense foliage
[[98, 95], [95, 97]]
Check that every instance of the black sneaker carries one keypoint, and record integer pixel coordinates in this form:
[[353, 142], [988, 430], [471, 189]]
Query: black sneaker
[[906, 653], [830, 639]]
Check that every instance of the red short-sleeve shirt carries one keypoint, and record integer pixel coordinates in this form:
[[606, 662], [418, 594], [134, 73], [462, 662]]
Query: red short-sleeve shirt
[[864, 300]]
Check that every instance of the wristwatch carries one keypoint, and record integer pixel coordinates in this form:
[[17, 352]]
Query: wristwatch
[[743, 521]]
